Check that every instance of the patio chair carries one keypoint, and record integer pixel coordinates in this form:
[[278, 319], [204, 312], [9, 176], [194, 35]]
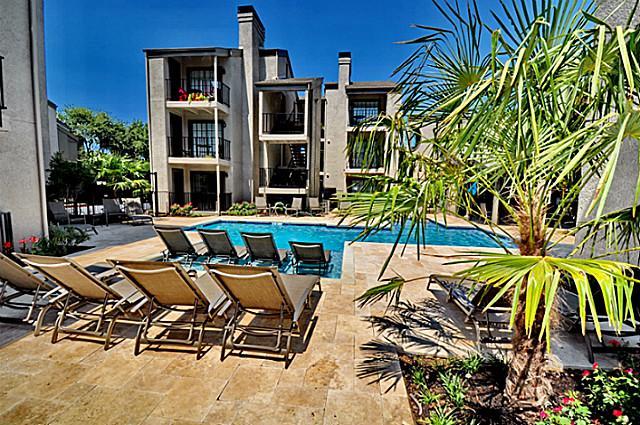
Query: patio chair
[[113, 298], [262, 291], [135, 213], [310, 254], [18, 283], [261, 205], [568, 307], [167, 288], [472, 298], [261, 247], [218, 244], [112, 209], [63, 218], [295, 208], [314, 206], [177, 243]]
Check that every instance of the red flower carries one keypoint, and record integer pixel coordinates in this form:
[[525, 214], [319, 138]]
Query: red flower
[[23, 241], [558, 409], [586, 373], [617, 413], [629, 371], [7, 245], [544, 415], [34, 239], [595, 365], [568, 400], [614, 343]]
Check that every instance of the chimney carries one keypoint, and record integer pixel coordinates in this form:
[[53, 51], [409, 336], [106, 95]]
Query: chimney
[[250, 28], [344, 69]]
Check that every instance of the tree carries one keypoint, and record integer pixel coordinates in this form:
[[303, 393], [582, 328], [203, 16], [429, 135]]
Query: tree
[[120, 173], [102, 132], [68, 179], [544, 111]]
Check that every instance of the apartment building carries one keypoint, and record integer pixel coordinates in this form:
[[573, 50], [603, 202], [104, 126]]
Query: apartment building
[[24, 125], [229, 124]]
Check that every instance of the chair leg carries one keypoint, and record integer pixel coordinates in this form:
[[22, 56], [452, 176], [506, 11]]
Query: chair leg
[[40, 319], [587, 342], [200, 339], [60, 320], [136, 346], [107, 339]]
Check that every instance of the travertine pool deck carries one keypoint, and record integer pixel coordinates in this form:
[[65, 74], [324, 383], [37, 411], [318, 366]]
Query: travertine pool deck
[[345, 371]]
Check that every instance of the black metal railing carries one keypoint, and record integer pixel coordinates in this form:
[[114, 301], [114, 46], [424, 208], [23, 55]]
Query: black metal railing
[[360, 111], [199, 147], [283, 177], [2, 105], [282, 123], [195, 89], [201, 201]]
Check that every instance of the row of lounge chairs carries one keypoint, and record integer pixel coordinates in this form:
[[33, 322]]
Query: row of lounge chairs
[[259, 248], [473, 299], [296, 207], [133, 213], [144, 293]]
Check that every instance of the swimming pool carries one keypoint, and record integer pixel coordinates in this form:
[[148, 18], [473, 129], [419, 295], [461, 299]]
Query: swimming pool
[[334, 237]]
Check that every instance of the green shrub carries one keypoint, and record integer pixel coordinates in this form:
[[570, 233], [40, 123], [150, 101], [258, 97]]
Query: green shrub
[[178, 210], [242, 209], [614, 395], [60, 242]]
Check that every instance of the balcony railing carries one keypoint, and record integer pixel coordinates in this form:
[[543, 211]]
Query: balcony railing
[[194, 90], [282, 123], [202, 201], [283, 177], [199, 147], [360, 111]]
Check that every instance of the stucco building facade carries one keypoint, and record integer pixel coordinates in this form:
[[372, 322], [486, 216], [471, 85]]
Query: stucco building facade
[[24, 124], [229, 124]]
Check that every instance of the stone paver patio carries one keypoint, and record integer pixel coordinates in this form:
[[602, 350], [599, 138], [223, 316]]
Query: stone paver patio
[[345, 371]]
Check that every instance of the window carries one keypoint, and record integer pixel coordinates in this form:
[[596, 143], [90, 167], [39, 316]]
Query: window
[[202, 137], [201, 81], [2, 105], [366, 150], [363, 109]]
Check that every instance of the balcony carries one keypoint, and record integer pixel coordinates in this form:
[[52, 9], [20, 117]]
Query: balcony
[[197, 90], [283, 180], [199, 147], [282, 123]]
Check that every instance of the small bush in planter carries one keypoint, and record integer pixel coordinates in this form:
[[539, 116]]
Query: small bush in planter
[[242, 209], [61, 241], [178, 210]]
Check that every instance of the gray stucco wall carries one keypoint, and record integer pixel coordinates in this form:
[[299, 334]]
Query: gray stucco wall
[[21, 152], [622, 194]]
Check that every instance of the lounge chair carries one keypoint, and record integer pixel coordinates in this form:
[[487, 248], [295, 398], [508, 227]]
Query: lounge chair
[[18, 282], [177, 243], [219, 245], [262, 291], [472, 298], [135, 213], [261, 247], [310, 254], [261, 205], [568, 307], [295, 208], [112, 209], [113, 298], [168, 288], [61, 217], [314, 206]]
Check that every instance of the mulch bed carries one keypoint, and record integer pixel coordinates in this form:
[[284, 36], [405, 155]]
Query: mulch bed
[[484, 402]]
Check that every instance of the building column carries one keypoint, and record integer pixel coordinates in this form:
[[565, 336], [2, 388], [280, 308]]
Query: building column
[[217, 133]]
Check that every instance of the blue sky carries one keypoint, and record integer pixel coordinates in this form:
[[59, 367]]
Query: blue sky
[[94, 48]]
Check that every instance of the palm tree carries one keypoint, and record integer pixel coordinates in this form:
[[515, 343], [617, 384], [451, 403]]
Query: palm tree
[[538, 115]]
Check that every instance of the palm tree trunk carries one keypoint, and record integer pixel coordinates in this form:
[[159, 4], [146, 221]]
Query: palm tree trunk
[[527, 384]]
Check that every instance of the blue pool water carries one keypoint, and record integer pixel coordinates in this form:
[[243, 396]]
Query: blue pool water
[[334, 237]]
